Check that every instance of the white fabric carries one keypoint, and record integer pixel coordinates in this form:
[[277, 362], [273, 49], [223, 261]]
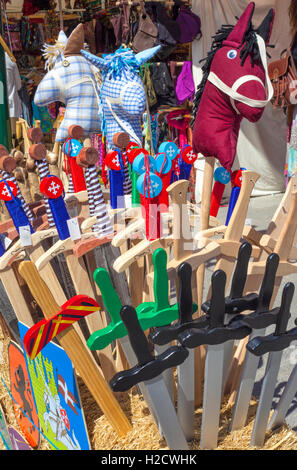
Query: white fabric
[[14, 84], [261, 146]]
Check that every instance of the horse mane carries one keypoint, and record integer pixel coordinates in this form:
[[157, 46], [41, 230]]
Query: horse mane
[[250, 49], [120, 62]]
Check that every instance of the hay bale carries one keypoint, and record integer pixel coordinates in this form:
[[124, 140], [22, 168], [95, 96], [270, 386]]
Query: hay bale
[[145, 435]]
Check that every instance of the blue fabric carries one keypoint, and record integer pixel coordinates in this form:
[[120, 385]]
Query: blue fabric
[[233, 199], [116, 189], [17, 214], [60, 216]]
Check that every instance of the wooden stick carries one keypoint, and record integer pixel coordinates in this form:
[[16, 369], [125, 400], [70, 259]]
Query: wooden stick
[[205, 210], [6, 49], [77, 352]]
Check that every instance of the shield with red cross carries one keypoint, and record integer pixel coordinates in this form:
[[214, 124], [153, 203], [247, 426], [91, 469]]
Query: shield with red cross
[[51, 187], [8, 190]]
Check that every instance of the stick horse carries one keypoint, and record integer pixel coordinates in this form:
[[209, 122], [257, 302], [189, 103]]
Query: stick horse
[[233, 87], [70, 79], [122, 91]]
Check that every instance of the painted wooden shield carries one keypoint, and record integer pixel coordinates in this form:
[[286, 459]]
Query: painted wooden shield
[[4, 434], [52, 187], [17, 440], [5, 193], [72, 147], [22, 393], [170, 148], [57, 397]]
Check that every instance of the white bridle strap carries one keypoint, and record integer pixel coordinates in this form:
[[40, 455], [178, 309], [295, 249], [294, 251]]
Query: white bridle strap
[[232, 92]]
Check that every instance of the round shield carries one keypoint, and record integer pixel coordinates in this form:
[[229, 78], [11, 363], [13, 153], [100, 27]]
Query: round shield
[[238, 179], [163, 163], [221, 175], [188, 155], [112, 161], [51, 187], [5, 194], [130, 147], [139, 163], [149, 181], [170, 148], [134, 152], [72, 147]]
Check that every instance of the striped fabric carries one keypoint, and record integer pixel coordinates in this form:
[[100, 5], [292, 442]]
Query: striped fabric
[[97, 204], [127, 184], [90, 193], [80, 99], [70, 189], [43, 170], [26, 208]]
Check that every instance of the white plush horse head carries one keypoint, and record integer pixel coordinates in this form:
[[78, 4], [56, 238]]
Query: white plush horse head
[[71, 80]]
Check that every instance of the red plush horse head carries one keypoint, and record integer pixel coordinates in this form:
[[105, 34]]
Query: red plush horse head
[[233, 87]]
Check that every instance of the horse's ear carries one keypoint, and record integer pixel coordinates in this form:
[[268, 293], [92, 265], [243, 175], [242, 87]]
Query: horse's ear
[[236, 37], [97, 61], [265, 28], [62, 37], [146, 55], [75, 42]]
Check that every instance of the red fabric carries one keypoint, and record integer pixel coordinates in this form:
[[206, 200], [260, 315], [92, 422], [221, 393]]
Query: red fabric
[[163, 196], [216, 197], [150, 209], [77, 174], [29, 7]]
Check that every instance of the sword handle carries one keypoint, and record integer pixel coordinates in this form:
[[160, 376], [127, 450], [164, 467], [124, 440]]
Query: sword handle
[[217, 301], [284, 311], [240, 273], [110, 297], [160, 280], [185, 302], [267, 286], [137, 337]]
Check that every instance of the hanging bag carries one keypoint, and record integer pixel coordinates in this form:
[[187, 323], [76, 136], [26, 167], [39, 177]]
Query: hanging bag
[[283, 76], [185, 87], [147, 32], [189, 24]]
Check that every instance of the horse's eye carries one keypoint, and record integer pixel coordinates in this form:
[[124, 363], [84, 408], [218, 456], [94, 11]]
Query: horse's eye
[[232, 54]]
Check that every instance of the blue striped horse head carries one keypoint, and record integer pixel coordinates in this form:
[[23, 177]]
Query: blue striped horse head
[[70, 80], [122, 92]]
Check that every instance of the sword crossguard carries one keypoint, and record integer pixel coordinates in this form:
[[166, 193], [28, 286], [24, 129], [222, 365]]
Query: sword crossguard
[[262, 317], [149, 366], [281, 338], [215, 332], [236, 302], [166, 334], [150, 314]]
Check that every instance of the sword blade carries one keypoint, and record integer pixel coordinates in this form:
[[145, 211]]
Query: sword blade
[[285, 401], [186, 395], [167, 374], [245, 389], [266, 397], [166, 414], [212, 396], [157, 397]]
